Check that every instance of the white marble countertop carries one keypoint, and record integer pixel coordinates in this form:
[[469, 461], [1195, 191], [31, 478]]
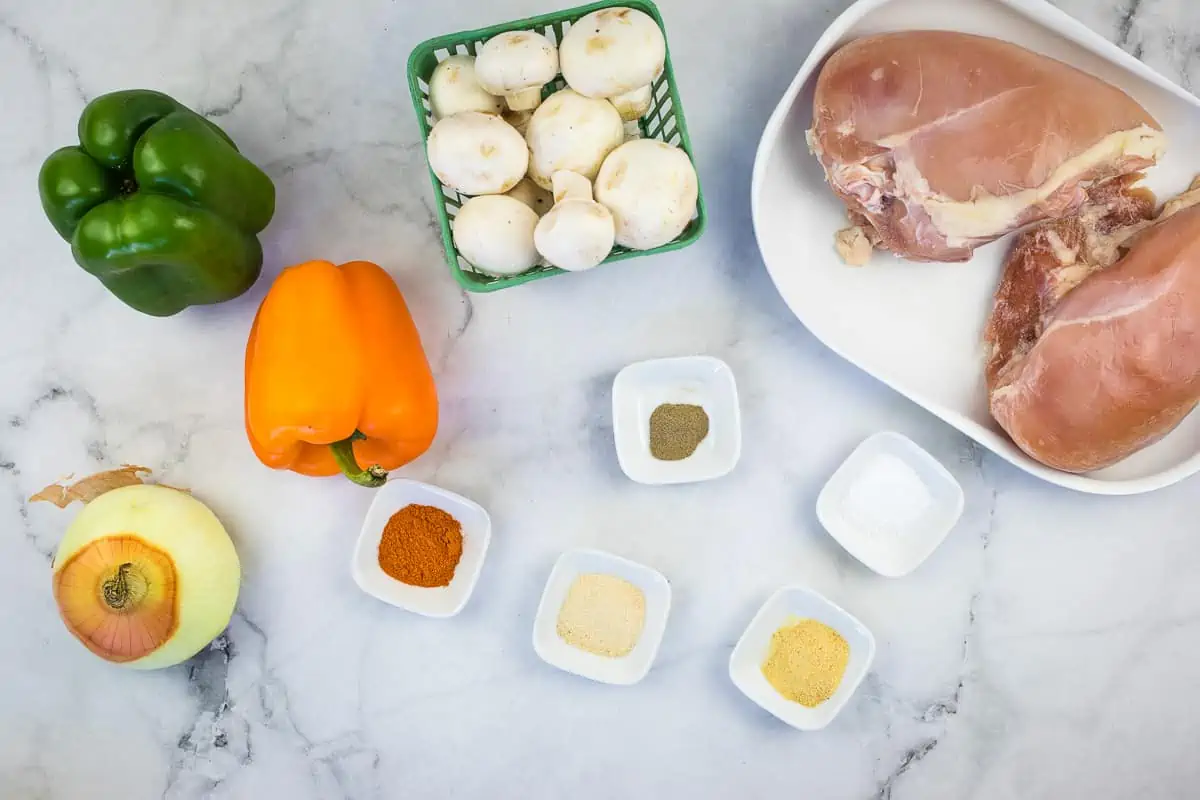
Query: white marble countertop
[[1047, 650]]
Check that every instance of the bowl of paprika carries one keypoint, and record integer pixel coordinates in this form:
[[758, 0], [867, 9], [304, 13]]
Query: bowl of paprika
[[421, 548]]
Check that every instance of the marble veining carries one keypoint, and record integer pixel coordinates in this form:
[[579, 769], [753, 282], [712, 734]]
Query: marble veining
[[1047, 650]]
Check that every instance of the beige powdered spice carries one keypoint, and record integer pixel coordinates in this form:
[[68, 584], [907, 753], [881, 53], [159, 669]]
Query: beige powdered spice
[[603, 614]]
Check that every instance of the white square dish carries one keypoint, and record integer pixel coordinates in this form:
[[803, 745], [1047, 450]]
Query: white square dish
[[898, 551], [697, 380], [622, 671], [918, 327], [440, 601], [786, 605]]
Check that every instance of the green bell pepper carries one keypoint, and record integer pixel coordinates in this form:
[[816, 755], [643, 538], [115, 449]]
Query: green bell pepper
[[158, 203]]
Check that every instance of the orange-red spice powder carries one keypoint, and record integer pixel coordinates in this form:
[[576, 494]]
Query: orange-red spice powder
[[421, 546]]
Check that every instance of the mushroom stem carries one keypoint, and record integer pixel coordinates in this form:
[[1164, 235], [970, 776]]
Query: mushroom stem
[[569, 185], [519, 119], [633, 105], [526, 99]]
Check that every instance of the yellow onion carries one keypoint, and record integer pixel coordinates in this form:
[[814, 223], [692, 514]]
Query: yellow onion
[[146, 576]]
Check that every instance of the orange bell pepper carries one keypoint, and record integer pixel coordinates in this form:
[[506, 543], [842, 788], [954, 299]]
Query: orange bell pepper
[[336, 375]]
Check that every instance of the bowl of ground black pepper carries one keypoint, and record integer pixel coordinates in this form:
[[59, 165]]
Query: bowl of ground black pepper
[[421, 548], [676, 420]]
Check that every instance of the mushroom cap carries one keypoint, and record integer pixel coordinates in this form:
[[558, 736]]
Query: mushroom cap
[[571, 132], [575, 235], [516, 60], [453, 89], [475, 153], [612, 51], [532, 195], [495, 234], [651, 189]]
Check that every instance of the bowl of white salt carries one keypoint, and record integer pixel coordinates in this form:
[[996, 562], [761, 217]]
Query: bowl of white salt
[[890, 504]]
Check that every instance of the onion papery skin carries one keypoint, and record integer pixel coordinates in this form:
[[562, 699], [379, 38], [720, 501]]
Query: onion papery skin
[[146, 576]]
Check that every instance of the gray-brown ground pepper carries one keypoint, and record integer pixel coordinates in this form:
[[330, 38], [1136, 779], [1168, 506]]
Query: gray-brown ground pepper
[[676, 430]]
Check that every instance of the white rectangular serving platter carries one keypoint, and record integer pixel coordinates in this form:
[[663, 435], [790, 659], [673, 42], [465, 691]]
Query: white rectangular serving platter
[[918, 327]]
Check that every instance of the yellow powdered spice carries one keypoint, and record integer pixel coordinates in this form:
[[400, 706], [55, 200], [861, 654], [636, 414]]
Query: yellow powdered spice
[[603, 614], [806, 662]]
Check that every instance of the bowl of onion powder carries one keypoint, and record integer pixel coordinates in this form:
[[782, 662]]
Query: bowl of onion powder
[[602, 617]]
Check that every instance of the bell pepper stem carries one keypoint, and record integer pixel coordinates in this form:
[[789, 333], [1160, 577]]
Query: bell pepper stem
[[343, 455]]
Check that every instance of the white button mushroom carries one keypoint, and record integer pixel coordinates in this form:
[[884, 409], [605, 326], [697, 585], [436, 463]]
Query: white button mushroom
[[453, 89], [578, 233], [651, 189], [495, 234], [611, 52], [475, 153], [571, 132], [533, 196], [632, 105], [517, 64]]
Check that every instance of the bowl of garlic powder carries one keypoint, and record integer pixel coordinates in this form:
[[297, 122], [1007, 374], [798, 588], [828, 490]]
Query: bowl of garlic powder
[[602, 617], [802, 658]]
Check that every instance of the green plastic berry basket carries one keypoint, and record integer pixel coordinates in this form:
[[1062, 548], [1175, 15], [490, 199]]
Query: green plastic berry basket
[[664, 121]]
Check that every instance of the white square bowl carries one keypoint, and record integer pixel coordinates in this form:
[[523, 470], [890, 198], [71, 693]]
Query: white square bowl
[[891, 555], [438, 601], [623, 671], [696, 380], [784, 607]]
